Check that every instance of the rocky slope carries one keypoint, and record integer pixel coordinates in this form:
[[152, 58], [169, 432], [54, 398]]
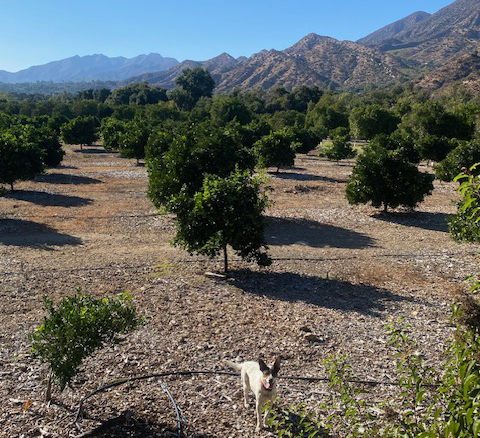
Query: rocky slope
[[314, 60], [464, 70], [444, 35], [392, 30]]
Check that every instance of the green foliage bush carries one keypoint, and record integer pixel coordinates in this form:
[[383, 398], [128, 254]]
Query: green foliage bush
[[47, 140], [368, 121], [465, 224], [76, 327], [323, 118], [435, 148], [192, 84], [225, 109], [294, 422]]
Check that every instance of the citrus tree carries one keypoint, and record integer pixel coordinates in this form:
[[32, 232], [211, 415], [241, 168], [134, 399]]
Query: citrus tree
[[386, 178], [75, 328], [19, 159], [226, 211]]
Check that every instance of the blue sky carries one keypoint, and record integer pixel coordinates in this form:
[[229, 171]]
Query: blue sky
[[34, 32]]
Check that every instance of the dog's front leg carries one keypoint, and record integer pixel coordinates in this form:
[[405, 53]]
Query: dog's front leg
[[258, 406], [265, 417]]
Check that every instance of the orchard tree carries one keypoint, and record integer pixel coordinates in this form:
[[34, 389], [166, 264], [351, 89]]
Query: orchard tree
[[80, 130], [192, 153], [224, 212], [112, 131], [323, 118], [465, 155], [398, 141], [77, 327], [253, 132], [387, 178], [340, 147], [225, 109], [432, 118], [19, 160], [47, 140], [192, 84], [134, 140], [306, 139], [368, 121], [140, 93], [275, 150], [435, 148]]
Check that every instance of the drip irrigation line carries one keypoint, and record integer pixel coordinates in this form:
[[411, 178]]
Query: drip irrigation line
[[125, 380], [192, 261]]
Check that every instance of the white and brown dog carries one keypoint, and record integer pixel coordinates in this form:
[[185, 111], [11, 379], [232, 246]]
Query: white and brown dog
[[261, 380]]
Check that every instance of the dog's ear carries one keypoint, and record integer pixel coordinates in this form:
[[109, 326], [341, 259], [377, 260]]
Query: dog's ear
[[276, 367], [263, 365]]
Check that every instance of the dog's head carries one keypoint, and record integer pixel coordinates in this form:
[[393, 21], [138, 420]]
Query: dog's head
[[269, 374]]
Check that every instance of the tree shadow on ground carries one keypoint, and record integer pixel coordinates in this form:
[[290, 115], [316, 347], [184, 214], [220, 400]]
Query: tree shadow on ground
[[417, 219], [93, 150], [18, 232], [140, 428], [48, 199], [306, 177], [293, 231], [62, 178], [144, 427], [321, 292]]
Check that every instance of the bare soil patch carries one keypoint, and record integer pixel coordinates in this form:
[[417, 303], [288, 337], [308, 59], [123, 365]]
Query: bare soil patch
[[339, 271]]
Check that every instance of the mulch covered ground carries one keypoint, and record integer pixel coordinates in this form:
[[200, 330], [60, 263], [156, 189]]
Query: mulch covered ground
[[339, 273]]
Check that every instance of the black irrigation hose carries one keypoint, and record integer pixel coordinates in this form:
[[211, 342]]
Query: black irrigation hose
[[224, 373], [280, 259]]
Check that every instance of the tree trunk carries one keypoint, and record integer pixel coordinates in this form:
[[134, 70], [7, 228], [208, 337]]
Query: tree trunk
[[11, 186], [385, 206], [81, 146], [225, 259], [48, 392]]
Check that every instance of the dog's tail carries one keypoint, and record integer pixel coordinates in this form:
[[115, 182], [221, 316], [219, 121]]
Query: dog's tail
[[233, 365]]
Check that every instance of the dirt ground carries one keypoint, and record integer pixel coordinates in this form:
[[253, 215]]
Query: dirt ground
[[339, 271]]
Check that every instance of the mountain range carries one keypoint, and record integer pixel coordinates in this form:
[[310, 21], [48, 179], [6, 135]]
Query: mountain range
[[90, 68], [432, 50]]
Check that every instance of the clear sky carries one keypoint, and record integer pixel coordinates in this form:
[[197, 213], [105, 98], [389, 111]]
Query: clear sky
[[34, 32]]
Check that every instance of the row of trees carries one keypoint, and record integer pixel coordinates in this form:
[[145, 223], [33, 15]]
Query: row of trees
[[191, 139]]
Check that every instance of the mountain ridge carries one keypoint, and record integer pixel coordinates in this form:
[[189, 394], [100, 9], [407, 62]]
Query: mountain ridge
[[90, 67]]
